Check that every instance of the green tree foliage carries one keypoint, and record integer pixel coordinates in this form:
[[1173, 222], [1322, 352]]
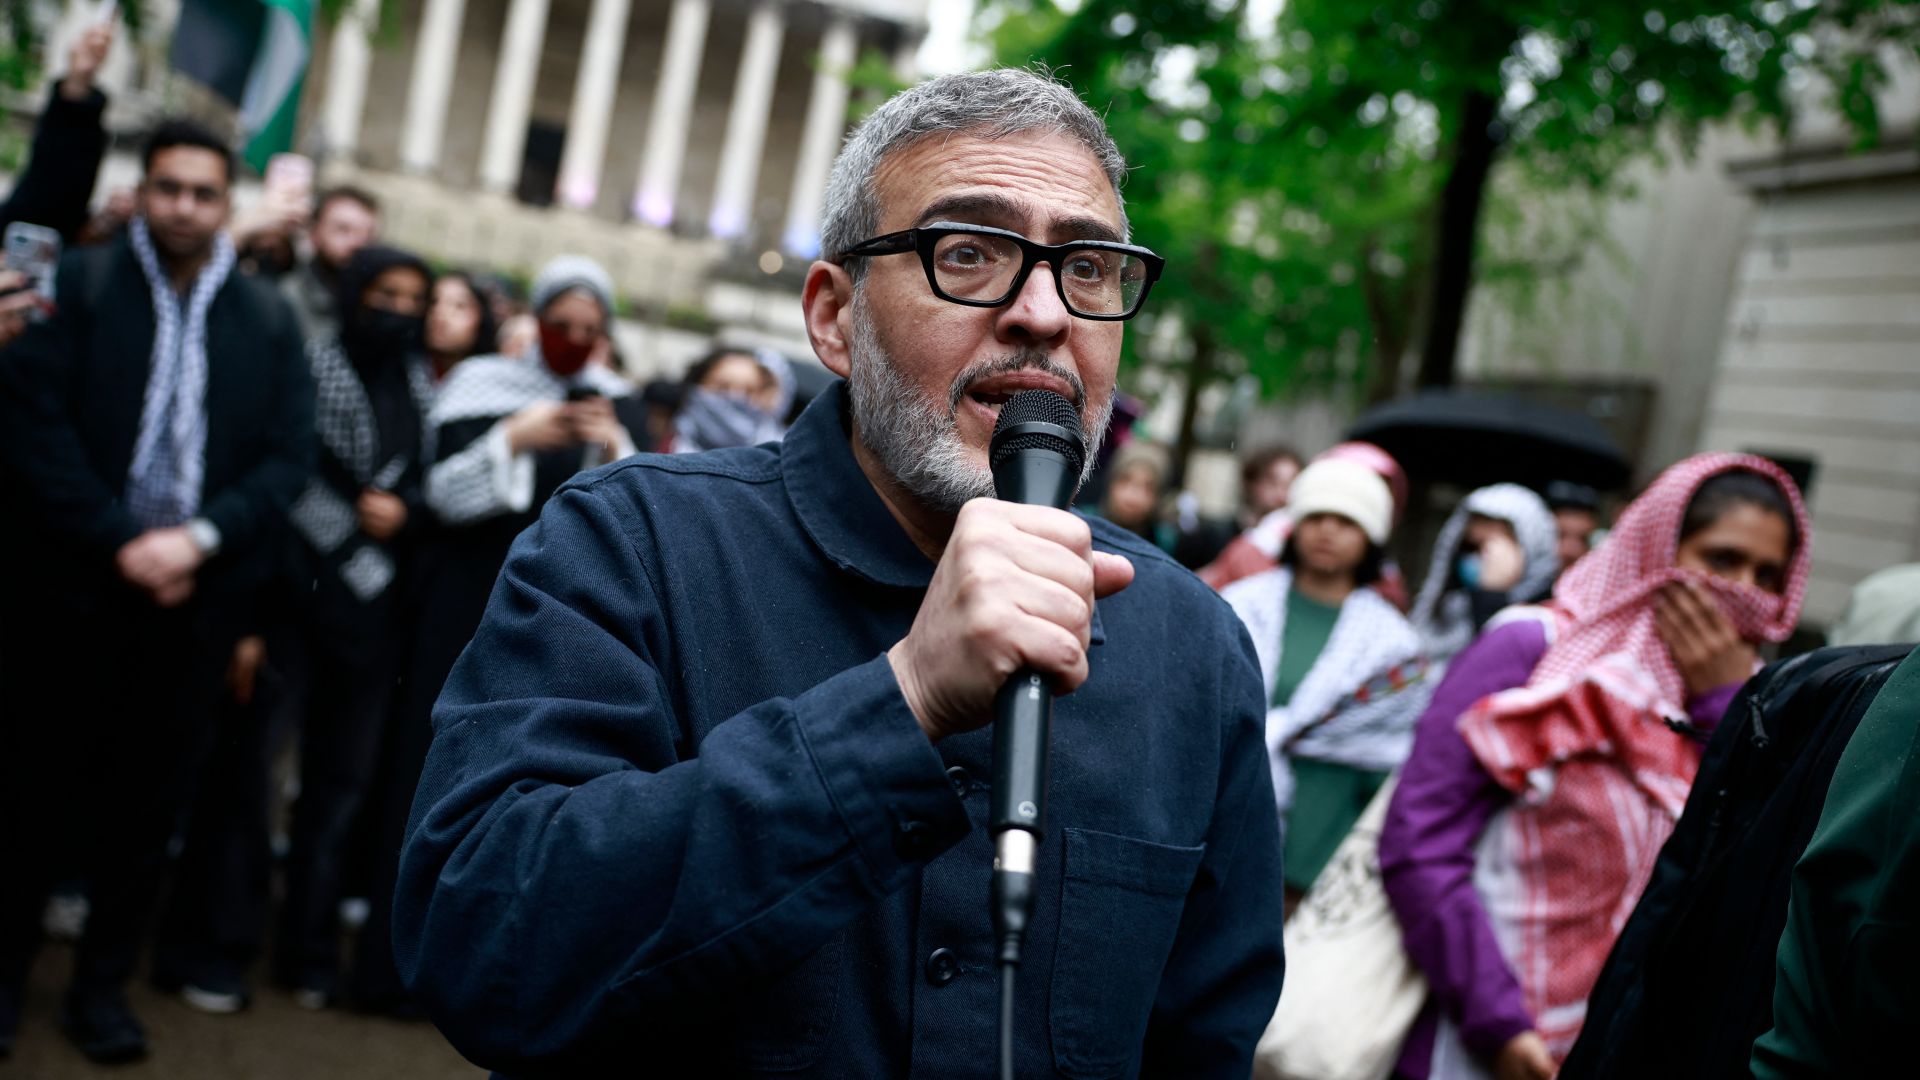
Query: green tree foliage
[[1316, 180], [20, 45]]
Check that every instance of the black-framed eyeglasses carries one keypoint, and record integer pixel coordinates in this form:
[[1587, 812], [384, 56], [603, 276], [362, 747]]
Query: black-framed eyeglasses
[[985, 267]]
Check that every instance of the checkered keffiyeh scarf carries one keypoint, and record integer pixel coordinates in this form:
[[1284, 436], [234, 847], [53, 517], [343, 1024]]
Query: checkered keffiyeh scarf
[[169, 456], [345, 423], [1347, 709], [1589, 746]]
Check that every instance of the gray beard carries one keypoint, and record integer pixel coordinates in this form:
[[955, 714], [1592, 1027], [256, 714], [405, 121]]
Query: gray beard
[[917, 439]]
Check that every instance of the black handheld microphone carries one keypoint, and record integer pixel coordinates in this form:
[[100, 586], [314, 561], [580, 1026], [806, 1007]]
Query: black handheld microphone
[[1036, 456]]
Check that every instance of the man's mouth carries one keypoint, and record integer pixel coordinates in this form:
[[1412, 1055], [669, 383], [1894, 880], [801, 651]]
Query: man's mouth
[[996, 390]]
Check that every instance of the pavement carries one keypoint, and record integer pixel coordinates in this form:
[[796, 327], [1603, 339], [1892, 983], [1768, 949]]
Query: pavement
[[273, 1040]]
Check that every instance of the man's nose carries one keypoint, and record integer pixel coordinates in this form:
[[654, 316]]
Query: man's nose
[[1035, 315]]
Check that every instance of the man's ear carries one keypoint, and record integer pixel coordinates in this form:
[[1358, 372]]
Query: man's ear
[[827, 303]]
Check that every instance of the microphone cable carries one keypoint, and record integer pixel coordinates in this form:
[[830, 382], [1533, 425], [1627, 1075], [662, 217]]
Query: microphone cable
[[1036, 454], [1012, 904]]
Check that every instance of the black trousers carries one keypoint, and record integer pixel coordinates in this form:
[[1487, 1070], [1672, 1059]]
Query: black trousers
[[348, 700], [215, 919], [108, 720], [376, 981]]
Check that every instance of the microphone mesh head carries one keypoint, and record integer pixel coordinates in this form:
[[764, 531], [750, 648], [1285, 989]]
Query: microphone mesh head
[[1038, 407]]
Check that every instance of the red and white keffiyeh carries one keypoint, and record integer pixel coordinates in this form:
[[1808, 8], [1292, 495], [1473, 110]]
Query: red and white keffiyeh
[[1586, 745]]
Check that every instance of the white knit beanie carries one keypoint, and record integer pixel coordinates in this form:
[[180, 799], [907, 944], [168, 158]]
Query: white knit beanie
[[569, 272], [1346, 488]]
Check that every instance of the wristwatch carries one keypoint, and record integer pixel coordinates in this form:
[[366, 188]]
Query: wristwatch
[[205, 536]]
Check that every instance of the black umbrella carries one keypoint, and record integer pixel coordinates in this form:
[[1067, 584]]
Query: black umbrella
[[1472, 439]]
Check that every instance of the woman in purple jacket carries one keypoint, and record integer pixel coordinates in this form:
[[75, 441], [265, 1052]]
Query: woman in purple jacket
[[1556, 753]]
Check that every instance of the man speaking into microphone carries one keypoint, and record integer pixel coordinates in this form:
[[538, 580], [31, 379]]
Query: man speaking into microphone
[[708, 792]]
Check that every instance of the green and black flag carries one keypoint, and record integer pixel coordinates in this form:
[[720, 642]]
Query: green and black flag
[[253, 53]]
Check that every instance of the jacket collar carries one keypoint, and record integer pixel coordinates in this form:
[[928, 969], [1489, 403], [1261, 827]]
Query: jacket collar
[[837, 504]]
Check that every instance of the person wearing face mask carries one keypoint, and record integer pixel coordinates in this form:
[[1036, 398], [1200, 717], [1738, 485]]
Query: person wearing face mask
[[733, 398], [1499, 547], [507, 432], [1556, 755], [355, 522]]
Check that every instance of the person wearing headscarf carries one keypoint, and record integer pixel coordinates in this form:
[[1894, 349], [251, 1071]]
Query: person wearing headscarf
[[354, 522], [1257, 549], [1334, 655], [506, 431], [1499, 547], [1557, 754], [734, 397]]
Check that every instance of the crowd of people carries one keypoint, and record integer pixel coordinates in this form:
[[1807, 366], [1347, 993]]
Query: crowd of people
[[272, 471], [327, 448]]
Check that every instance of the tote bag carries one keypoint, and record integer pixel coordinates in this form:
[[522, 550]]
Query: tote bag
[[1351, 994]]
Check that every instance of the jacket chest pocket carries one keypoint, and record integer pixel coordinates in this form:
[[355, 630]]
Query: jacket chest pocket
[[1120, 905], [785, 1023]]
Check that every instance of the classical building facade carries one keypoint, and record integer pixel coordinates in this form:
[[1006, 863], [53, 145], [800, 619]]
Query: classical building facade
[[685, 143]]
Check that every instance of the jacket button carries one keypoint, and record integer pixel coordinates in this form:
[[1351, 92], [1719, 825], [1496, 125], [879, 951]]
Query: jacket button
[[961, 781], [910, 840], [942, 967]]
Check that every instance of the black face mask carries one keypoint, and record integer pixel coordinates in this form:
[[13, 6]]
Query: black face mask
[[389, 333]]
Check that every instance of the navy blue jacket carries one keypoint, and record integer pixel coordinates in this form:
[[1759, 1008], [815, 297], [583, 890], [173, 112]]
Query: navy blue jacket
[[679, 821]]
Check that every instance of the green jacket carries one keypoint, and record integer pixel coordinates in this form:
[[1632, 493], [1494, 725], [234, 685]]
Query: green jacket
[[1847, 994]]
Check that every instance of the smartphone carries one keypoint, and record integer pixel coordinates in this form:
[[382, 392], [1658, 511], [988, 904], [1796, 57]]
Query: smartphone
[[290, 175], [34, 250], [582, 393]]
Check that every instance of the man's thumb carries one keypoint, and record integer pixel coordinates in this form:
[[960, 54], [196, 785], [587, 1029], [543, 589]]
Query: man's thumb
[[1111, 573]]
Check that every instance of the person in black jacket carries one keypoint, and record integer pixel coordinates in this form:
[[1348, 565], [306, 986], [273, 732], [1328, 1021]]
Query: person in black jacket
[[55, 187], [155, 431], [355, 521], [57, 184]]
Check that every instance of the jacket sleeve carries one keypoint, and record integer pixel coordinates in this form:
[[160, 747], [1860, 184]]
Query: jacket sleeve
[[248, 511], [575, 878], [56, 186], [40, 394], [479, 477], [1845, 995], [1222, 979], [1440, 808]]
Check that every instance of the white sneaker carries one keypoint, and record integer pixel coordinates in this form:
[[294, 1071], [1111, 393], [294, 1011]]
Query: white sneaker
[[65, 917], [217, 1002], [354, 911]]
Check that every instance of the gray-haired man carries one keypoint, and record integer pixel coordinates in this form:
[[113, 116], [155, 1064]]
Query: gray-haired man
[[706, 792]]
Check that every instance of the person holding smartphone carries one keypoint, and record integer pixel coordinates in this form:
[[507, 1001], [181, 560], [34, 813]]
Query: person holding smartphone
[[56, 186], [154, 431]]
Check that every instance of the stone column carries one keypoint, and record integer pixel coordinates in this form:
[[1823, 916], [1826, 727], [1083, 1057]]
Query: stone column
[[671, 115], [433, 56], [592, 112], [351, 57], [820, 138], [506, 142], [747, 122]]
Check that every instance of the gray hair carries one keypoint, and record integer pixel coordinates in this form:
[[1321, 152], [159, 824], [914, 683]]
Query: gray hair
[[989, 104]]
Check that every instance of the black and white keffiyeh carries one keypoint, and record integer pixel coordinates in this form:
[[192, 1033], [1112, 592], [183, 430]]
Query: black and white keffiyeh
[[345, 424], [1352, 707], [169, 455], [484, 479]]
